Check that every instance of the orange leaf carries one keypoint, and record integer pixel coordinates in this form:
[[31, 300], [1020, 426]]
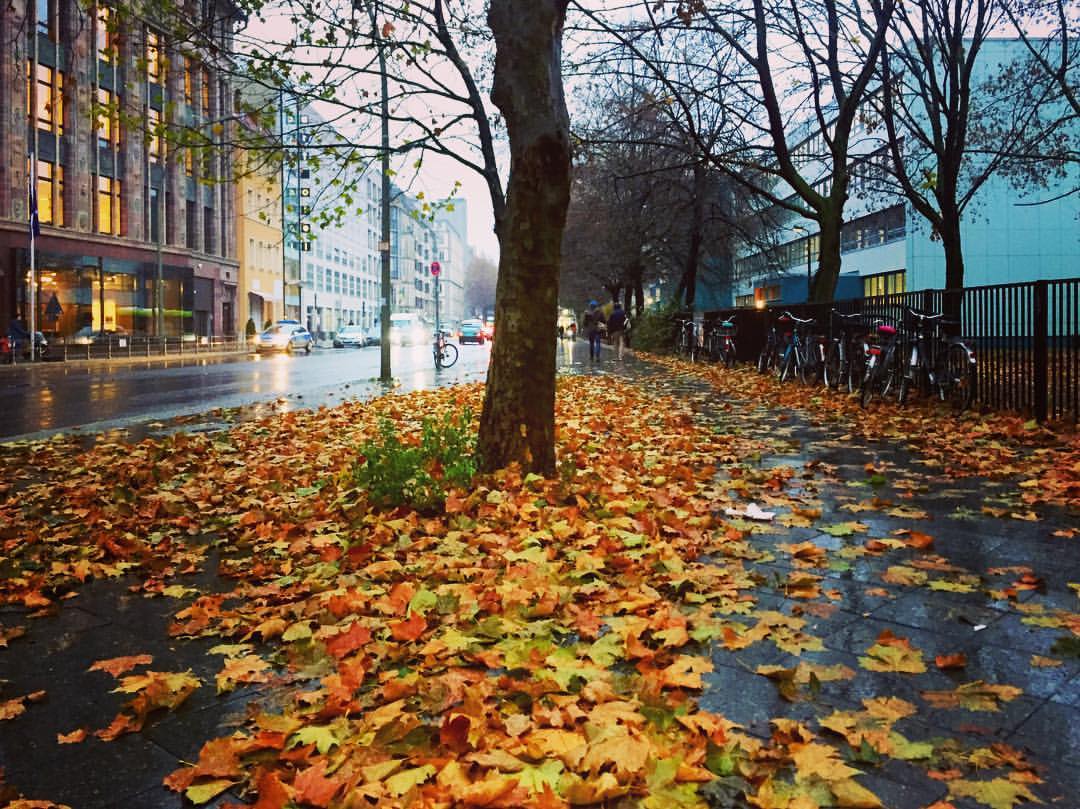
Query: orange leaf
[[118, 665], [409, 629], [272, 794], [454, 733], [313, 787], [953, 661], [74, 737], [918, 540], [349, 641]]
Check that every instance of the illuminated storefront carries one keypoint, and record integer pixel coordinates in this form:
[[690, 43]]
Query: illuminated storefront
[[86, 294]]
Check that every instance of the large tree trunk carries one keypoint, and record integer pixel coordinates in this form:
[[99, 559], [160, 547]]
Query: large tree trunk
[[949, 230], [518, 422], [823, 286], [697, 228]]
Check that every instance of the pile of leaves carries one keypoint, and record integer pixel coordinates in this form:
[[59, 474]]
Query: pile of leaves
[[531, 643], [1045, 459]]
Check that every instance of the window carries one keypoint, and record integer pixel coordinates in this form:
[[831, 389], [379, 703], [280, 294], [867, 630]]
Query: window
[[189, 208], [49, 112], [189, 81], [205, 93], [106, 38], [208, 230], [155, 67], [108, 127], [153, 129], [46, 19], [50, 193], [108, 206], [886, 283]]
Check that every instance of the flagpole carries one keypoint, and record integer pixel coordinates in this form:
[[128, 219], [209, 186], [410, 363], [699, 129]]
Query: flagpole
[[33, 256]]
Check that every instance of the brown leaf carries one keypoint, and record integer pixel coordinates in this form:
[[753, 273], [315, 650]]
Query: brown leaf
[[118, 665]]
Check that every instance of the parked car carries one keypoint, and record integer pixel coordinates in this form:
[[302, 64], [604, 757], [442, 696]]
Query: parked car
[[471, 331], [351, 337], [285, 336], [409, 328], [87, 335], [374, 336]]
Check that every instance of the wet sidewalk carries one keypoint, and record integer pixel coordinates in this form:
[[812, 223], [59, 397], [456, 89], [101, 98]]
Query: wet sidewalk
[[869, 550]]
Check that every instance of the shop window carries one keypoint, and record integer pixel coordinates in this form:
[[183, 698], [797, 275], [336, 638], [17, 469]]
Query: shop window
[[108, 206], [106, 36], [155, 67]]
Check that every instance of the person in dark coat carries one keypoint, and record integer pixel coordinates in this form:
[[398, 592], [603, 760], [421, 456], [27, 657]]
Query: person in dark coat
[[594, 319]]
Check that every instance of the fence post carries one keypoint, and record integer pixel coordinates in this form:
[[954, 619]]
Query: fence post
[[1040, 310]]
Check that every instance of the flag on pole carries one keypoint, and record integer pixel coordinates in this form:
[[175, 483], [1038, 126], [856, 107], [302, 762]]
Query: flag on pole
[[35, 225]]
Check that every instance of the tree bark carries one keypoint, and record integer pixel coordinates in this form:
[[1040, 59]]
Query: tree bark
[[823, 288], [951, 242], [697, 228], [518, 420]]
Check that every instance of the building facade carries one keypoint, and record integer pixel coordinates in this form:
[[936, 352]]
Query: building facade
[[136, 236], [1010, 232], [341, 263], [259, 243]]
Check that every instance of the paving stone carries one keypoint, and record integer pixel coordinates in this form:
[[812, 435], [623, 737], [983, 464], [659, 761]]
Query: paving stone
[[1052, 733]]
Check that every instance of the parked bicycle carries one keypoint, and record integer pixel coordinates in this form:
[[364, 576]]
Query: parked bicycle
[[722, 344], [446, 354], [845, 357], [804, 355], [775, 343], [686, 337], [938, 364], [882, 373]]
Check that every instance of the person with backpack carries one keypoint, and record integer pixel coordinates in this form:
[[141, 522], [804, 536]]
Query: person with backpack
[[594, 319], [617, 325]]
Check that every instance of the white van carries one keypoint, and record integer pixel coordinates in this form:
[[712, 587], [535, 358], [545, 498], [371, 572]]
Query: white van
[[410, 328]]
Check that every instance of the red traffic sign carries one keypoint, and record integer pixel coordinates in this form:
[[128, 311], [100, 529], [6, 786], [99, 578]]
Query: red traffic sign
[[436, 268]]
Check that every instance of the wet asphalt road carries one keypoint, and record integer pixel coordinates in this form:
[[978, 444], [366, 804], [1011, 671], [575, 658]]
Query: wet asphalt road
[[38, 401]]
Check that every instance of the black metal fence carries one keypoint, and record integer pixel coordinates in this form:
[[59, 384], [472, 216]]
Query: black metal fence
[[1026, 337]]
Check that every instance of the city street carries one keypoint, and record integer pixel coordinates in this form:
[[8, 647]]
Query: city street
[[37, 401]]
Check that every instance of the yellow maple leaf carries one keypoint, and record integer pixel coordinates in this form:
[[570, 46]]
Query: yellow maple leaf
[[816, 760]]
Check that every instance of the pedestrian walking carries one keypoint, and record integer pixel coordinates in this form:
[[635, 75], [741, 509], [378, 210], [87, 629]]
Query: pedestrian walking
[[594, 319], [616, 326]]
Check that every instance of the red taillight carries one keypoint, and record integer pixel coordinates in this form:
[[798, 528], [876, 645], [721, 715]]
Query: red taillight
[[875, 351]]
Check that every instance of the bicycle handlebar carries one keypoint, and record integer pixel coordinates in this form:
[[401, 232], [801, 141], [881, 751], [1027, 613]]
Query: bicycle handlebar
[[798, 320]]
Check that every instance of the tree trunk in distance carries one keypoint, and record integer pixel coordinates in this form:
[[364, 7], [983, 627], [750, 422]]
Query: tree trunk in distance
[[518, 420]]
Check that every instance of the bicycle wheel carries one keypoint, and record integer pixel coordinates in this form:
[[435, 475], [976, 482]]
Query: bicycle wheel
[[729, 354], [869, 380], [957, 378], [834, 362], [448, 356], [855, 363], [765, 358], [787, 364], [813, 364]]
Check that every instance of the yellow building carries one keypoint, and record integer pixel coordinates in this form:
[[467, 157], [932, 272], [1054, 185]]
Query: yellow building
[[259, 242]]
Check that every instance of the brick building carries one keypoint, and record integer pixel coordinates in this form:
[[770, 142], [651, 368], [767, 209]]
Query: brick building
[[137, 235]]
